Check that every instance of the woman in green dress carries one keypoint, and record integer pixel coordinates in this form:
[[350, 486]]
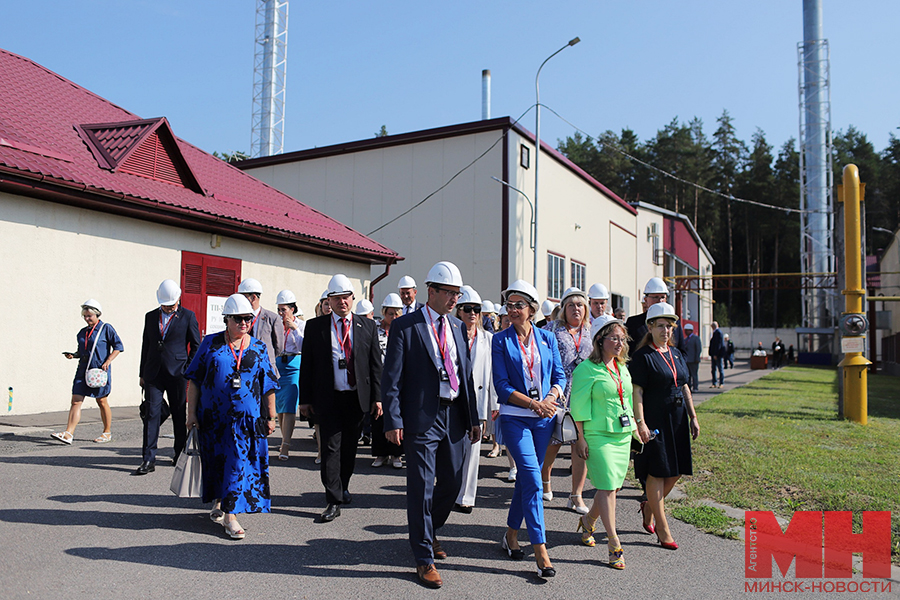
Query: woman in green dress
[[601, 407]]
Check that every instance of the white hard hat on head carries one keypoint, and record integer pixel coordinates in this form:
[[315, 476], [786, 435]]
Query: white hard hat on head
[[601, 322], [598, 291], [406, 282], [522, 288], [339, 285], [323, 296], [547, 308], [487, 307], [285, 297], [469, 296], [392, 300], [444, 273], [656, 286], [168, 293], [364, 307], [661, 310], [498, 307], [688, 326], [91, 303], [572, 291], [250, 286], [502, 311], [237, 304]]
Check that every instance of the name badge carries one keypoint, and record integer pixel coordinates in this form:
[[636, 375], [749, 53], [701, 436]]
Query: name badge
[[342, 363], [578, 360], [443, 374], [236, 381], [625, 421], [534, 394]]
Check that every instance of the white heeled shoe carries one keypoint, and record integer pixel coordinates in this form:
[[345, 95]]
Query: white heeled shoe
[[581, 510], [548, 495]]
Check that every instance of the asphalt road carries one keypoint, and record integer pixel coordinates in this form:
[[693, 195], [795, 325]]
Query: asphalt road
[[76, 524]]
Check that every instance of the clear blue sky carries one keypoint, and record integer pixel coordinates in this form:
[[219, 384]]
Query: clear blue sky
[[410, 65]]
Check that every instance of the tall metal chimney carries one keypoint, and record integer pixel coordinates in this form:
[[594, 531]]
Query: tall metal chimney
[[485, 94], [269, 78], [817, 223]]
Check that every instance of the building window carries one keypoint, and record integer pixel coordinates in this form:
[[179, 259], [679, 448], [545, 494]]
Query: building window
[[556, 275], [579, 271], [653, 237], [524, 156]]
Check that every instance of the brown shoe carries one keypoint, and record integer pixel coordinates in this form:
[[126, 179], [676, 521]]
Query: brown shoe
[[429, 576], [437, 551]]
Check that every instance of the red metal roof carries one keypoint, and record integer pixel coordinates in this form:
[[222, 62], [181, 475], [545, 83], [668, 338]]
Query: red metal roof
[[56, 136]]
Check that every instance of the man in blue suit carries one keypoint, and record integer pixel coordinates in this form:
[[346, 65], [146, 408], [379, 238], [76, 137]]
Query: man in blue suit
[[428, 398], [171, 338]]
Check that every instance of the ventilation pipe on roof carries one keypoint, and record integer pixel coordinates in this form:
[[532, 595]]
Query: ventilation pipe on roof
[[485, 94]]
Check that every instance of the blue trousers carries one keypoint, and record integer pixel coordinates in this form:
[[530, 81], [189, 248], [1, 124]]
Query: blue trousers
[[526, 439], [717, 368]]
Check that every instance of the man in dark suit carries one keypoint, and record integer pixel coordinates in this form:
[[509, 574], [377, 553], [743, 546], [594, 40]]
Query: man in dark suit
[[340, 377], [693, 350], [267, 325], [169, 332], [408, 292], [429, 403], [717, 353]]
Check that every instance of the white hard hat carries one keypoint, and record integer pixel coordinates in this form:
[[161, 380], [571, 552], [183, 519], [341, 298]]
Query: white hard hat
[[572, 291], [656, 286], [601, 322], [444, 273], [547, 308], [249, 286], [285, 297], [661, 309], [487, 307], [502, 311], [392, 300], [168, 293], [339, 285], [237, 304], [469, 296], [523, 288], [91, 303], [364, 307], [598, 291], [498, 307], [406, 282], [323, 296], [688, 326]]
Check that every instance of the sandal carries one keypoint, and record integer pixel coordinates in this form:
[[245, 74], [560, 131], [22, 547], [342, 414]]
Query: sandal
[[284, 452], [234, 529], [216, 515], [587, 538], [495, 452], [104, 438], [617, 558], [64, 436]]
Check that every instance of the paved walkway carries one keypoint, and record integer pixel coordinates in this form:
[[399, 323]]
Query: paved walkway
[[75, 524]]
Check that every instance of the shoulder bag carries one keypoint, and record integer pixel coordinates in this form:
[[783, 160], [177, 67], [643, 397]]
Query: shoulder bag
[[96, 378], [564, 430]]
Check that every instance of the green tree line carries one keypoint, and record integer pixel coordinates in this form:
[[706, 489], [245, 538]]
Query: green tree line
[[743, 238]]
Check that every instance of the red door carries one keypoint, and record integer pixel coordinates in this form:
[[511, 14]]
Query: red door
[[206, 281]]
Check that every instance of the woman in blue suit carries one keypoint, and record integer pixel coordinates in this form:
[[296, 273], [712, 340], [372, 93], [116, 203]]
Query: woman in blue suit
[[529, 380]]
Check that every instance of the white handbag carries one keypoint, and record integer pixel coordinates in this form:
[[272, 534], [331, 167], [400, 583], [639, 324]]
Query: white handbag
[[96, 378], [187, 479], [564, 430]]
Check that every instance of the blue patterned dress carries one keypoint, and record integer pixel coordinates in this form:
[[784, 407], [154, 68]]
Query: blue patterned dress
[[235, 459]]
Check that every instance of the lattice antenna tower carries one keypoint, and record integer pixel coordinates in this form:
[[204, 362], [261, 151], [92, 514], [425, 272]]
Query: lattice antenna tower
[[269, 77], [816, 177]]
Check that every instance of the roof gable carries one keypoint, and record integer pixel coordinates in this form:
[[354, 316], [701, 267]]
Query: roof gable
[[144, 147]]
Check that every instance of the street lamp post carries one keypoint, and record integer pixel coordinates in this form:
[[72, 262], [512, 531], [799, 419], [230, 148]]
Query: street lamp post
[[537, 147], [524, 195]]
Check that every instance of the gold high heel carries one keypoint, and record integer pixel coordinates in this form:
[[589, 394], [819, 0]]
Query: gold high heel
[[588, 531], [617, 558]]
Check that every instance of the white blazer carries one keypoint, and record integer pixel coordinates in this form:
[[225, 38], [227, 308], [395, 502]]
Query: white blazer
[[482, 375]]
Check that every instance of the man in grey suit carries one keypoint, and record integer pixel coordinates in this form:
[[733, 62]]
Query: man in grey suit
[[267, 326], [693, 350]]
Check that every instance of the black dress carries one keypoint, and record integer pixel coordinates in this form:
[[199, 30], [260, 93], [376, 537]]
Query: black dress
[[669, 455]]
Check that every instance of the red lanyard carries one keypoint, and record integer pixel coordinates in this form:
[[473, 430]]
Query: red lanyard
[[88, 337], [529, 354], [441, 343], [618, 380], [665, 356], [346, 344], [577, 342], [237, 357], [162, 329]]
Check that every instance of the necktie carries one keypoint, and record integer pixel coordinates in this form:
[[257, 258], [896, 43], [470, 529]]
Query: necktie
[[348, 351], [448, 360]]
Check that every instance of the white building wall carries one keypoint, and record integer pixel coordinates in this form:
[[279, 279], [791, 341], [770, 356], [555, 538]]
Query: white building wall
[[646, 270], [890, 284], [57, 256]]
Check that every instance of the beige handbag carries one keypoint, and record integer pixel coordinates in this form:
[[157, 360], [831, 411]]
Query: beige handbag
[[187, 479]]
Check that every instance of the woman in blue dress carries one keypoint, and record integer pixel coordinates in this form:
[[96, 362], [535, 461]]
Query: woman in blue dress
[[287, 398], [98, 346], [225, 404]]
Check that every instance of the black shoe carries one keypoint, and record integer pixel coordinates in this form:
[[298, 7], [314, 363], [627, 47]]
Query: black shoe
[[546, 572], [467, 510], [331, 513], [146, 467], [347, 498], [513, 553]]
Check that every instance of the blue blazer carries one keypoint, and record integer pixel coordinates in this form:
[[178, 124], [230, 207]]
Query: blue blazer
[[410, 380], [507, 363]]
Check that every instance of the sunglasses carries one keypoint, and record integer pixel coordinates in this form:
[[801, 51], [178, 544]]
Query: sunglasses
[[516, 305], [469, 308], [242, 318]]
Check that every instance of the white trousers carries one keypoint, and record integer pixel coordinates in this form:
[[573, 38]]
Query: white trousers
[[470, 475]]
